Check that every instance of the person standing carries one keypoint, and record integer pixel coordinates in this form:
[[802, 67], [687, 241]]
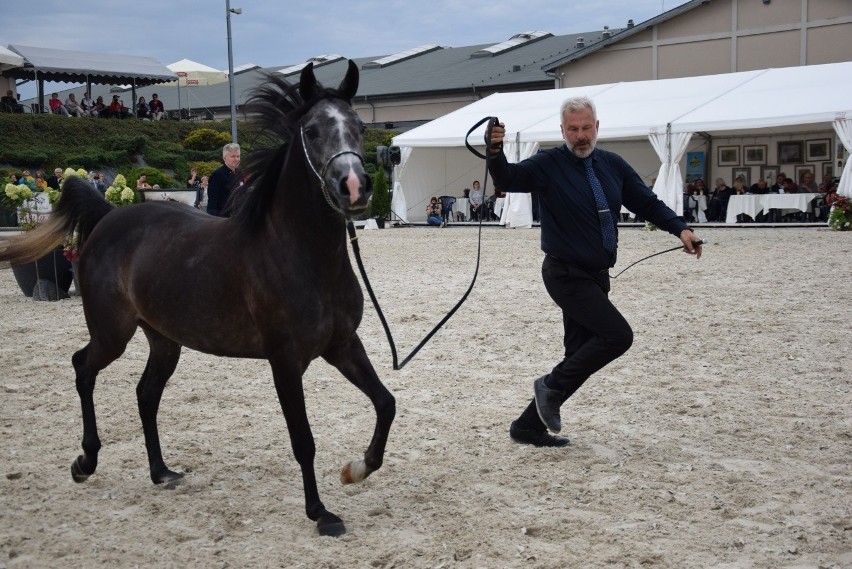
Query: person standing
[[224, 181], [56, 180], [581, 190]]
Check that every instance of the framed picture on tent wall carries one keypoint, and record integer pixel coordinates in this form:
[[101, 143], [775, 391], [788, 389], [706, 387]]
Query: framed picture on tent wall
[[827, 169], [754, 155], [769, 173], [818, 150], [744, 173], [791, 152], [729, 156]]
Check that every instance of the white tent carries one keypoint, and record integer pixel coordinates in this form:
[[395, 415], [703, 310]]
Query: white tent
[[9, 59], [194, 71], [666, 112]]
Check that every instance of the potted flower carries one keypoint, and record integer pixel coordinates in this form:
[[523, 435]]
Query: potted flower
[[32, 208], [120, 194], [840, 218]]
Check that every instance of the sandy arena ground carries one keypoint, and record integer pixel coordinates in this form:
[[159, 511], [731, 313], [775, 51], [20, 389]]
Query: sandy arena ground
[[723, 438]]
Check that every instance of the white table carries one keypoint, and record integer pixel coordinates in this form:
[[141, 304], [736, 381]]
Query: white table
[[751, 205], [462, 206], [183, 196]]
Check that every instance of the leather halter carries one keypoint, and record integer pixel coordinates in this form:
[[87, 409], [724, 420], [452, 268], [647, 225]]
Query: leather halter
[[321, 175]]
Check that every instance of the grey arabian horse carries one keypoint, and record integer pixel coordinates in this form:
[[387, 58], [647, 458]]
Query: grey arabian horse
[[274, 281]]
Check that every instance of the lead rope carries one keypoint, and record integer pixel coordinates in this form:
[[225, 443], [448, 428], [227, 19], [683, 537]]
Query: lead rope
[[353, 240]]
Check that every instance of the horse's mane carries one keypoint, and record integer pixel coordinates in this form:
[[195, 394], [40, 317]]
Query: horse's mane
[[275, 109]]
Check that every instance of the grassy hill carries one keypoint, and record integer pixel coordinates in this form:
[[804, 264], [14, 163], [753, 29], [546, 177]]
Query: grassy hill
[[44, 142]]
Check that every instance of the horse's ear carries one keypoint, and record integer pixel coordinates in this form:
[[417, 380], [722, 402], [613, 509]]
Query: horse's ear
[[349, 85], [308, 82]]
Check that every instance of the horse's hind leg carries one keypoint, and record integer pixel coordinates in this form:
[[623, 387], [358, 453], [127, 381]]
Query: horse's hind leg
[[162, 361], [88, 362], [288, 385], [86, 464], [352, 361]]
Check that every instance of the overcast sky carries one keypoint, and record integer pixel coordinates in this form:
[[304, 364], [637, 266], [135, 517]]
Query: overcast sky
[[285, 32]]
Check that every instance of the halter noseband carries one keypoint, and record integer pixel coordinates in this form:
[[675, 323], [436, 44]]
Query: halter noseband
[[321, 176]]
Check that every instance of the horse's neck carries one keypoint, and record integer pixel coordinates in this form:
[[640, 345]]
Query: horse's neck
[[300, 213]]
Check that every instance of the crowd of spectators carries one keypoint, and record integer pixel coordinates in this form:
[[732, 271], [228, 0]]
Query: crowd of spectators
[[86, 107]]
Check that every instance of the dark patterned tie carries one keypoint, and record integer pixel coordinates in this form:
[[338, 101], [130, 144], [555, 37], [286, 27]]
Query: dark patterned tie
[[604, 215]]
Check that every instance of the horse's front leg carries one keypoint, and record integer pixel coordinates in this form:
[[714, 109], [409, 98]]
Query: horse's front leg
[[288, 385], [352, 361]]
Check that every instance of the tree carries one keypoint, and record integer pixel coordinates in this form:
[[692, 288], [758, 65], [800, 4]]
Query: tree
[[381, 206]]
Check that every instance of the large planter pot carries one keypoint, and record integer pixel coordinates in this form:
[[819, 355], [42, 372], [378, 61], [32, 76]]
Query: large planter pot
[[54, 268]]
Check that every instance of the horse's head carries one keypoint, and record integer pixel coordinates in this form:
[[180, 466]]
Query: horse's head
[[332, 136]]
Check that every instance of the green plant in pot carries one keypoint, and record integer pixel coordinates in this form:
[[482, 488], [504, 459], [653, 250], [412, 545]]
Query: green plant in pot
[[381, 204], [48, 278]]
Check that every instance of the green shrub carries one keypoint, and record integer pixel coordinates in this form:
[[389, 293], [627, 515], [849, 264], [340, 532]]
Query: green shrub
[[206, 139], [381, 205], [204, 168], [154, 176]]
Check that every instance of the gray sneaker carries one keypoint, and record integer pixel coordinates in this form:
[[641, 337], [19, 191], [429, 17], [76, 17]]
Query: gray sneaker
[[547, 403]]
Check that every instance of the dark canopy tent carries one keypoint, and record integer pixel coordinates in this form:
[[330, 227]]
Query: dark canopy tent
[[45, 64]]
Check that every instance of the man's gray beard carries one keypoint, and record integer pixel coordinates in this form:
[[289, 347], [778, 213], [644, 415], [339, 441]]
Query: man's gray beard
[[585, 154]]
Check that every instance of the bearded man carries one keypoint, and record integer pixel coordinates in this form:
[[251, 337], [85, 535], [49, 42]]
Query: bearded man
[[580, 193]]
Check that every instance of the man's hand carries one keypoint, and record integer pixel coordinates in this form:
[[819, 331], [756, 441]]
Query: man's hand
[[691, 243], [498, 132]]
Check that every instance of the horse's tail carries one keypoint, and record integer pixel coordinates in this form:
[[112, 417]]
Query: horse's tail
[[80, 207]]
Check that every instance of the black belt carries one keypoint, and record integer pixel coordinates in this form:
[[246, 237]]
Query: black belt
[[564, 262]]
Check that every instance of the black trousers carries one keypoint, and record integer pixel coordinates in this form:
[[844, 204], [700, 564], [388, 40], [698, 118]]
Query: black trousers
[[595, 331]]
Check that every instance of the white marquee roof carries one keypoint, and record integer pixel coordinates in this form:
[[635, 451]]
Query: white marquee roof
[[764, 99]]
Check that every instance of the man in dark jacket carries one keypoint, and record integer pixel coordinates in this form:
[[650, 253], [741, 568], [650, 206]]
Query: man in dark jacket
[[224, 181], [581, 190]]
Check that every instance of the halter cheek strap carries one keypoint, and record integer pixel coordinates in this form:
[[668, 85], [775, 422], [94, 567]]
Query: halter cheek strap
[[321, 175]]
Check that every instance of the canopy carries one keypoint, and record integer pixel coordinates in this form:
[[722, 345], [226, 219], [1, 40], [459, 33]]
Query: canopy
[[9, 59], [760, 102], [198, 72], [63, 65]]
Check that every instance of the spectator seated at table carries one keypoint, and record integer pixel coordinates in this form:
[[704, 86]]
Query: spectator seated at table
[[717, 207], [433, 212], [759, 188], [778, 186], [820, 205], [698, 188], [791, 187], [740, 189], [807, 185], [9, 104], [478, 208], [56, 106]]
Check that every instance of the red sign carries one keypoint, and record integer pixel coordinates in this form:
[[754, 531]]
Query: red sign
[[192, 81], [181, 73]]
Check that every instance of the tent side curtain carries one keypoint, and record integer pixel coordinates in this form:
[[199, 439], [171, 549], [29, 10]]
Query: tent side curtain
[[79, 67], [843, 128]]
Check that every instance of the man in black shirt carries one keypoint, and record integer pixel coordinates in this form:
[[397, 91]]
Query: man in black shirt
[[581, 190], [224, 180]]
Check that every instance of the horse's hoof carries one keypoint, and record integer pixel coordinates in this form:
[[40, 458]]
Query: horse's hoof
[[77, 473], [168, 478], [355, 471], [330, 525]]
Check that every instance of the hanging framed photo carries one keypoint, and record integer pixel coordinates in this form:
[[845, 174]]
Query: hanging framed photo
[[827, 169], [729, 156], [744, 173], [818, 150], [791, 152], [754, 155], [769, 173]]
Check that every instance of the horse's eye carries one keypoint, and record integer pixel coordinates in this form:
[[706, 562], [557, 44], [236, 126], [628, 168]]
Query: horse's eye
[[311, 131]]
